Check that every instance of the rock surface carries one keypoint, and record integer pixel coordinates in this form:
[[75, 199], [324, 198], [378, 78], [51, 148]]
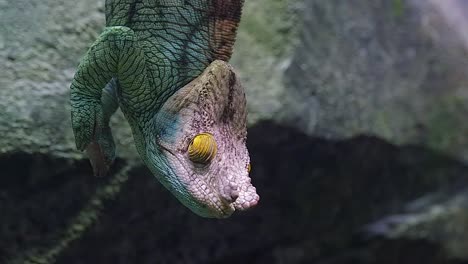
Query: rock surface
[[40, 50], [394, 69], [371, 101]]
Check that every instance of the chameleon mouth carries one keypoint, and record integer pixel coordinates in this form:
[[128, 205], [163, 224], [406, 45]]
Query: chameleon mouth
[[248, 197], [238, 192]]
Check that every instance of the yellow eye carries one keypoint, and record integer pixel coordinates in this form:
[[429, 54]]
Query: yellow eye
[[203, 148], [249, 167]]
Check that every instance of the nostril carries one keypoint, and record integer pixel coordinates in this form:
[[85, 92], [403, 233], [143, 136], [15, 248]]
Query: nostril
[[230, 193], [234, 195]]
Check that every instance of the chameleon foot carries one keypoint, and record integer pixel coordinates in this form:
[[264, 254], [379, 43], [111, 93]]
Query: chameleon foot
[[92, 136], [101, 153]]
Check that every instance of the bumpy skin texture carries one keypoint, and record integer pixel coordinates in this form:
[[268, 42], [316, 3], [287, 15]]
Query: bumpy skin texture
[[165, 64]]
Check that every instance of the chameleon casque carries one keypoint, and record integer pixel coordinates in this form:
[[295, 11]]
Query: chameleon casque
[[164, 63]]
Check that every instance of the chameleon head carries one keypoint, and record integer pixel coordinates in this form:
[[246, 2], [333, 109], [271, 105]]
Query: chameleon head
[[199, 150]]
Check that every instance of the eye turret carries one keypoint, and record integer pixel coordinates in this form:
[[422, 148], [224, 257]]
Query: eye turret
[[202, 148]]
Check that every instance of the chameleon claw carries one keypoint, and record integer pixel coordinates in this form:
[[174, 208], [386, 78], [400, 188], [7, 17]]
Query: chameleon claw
[[97, 158], [94, 137]]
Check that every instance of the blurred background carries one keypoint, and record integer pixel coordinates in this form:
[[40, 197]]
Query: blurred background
[[357, 135]]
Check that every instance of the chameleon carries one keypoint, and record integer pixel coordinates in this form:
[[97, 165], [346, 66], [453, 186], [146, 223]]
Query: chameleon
[[165, 64]]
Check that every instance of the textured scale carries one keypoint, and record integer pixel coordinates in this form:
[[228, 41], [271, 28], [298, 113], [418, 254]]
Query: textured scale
[[184, 39]]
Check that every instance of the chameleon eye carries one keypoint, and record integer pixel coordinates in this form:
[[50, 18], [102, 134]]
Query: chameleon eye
[[202, 148]]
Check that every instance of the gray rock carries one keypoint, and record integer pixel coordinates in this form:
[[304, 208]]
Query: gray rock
[[440, 217], [393, 69], [343, 69], [39, 52]]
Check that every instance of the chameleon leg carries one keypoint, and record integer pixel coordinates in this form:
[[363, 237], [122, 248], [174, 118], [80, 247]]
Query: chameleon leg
[[114, 56]]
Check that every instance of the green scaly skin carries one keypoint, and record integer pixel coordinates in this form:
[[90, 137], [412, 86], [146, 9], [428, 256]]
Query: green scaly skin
[[164, 64]]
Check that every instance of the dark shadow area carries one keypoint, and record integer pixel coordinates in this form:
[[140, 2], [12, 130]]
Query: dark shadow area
[[316, 196], [38, 197]]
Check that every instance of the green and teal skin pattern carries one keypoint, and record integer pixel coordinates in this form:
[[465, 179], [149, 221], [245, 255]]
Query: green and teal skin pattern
[[164, 63]]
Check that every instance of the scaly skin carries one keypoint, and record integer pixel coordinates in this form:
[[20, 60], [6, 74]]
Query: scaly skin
[[165, 64]]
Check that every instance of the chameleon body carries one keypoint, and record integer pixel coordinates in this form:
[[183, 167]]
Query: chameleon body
[[164, 63]]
